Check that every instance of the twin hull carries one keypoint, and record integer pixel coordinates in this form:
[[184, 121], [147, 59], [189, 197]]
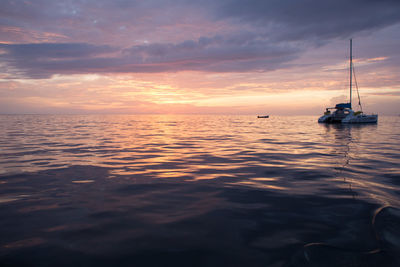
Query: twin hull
[[361, 118]]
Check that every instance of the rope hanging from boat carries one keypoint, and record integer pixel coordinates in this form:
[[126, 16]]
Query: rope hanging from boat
[[355, 81]]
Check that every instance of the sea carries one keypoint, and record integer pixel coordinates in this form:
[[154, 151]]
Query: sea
[[198, 190]]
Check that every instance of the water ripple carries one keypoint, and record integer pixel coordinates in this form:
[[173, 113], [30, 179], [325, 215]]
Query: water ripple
[[151, 190]]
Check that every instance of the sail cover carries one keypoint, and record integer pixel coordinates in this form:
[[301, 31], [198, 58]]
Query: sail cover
[[343, 105]]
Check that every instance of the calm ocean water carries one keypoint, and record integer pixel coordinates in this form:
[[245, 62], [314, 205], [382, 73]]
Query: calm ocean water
[[191, 190]]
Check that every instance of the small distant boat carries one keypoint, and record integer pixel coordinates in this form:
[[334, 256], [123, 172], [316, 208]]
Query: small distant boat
[[343, 112], [263, 116]]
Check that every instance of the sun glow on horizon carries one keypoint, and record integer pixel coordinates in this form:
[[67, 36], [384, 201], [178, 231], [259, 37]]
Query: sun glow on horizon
[[186, 92]]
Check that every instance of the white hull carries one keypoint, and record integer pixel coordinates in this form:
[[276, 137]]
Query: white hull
[[350, 118], [362, 118]]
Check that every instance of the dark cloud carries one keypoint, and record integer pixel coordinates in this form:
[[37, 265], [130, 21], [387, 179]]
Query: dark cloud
[[253, 35], [277, 19], [56, 50], [207, 53], [42, 60], [217, 54], [302, 19]]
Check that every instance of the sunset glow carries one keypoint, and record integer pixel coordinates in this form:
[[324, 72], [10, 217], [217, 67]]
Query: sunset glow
[[229, 58]]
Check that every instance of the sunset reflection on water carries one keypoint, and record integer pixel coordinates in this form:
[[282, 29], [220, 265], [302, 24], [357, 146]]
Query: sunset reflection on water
[[196, 147], [219, 187]]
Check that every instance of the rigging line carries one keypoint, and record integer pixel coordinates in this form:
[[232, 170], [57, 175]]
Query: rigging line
[[355, 81]]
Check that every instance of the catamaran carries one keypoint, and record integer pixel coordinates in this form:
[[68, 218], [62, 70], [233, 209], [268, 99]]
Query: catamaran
[[343, 112]]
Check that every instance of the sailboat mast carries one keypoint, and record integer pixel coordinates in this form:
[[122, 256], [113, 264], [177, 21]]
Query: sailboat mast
[[351, 68]]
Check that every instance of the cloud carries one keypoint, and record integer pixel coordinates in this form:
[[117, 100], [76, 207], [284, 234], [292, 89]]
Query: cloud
[[156, 19], [216, 54], [55, 50], [126, 36], [42, 60], [303, 19], [393, 93], [102, 21]]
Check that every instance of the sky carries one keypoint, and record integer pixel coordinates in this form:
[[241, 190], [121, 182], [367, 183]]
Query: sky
[[277, 57]]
